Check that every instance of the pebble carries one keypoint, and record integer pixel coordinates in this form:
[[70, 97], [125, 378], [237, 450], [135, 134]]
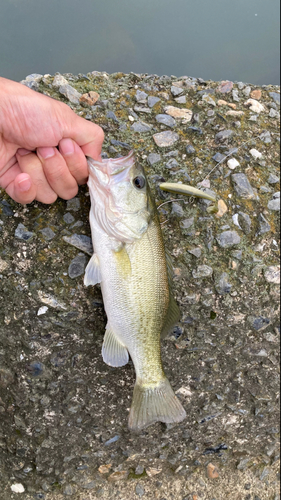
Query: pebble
[[218, 157], [256, 94], [190, 149], [42, 310], [177, 209], [48, 233], [118, 476], [273, 113], [222, 284], [235, 95], [196, 252], [141, 97], [153, 158], [112, 116], [225, 87], [104, 469], [266, 137], [222, 208], [235, 113], [228, 239], [141, 127], [184, 114], [274, 204], [242, 186], [260, 323], [272, 274], [176, 91], [22, 233], [255, 105], [77, 266], [81, 242], [90, 98], [17, 488], [165, 139], [124, 145], [275, 96], [68, 218], [181, 99], [247, 90], [255, 154], [233, 163], [203, 271], [73, 204], [223, 136], [264, 226], [273, 179], [212, 471], [208, 99], [186, 223], [139, 490], [166, 120], [59, 81], [70, 93], [69, 490], [3, 265], [152, 100]]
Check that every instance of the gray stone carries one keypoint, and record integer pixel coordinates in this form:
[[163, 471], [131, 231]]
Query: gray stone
[[274, 204], [242, 186], [47, 233], [240, 85], [73, 204], [68, 218], [273, 179], [167, 120], [141, 127], [228, 239], [273, 113], [190, 149], [58, 81], [222, 284], [202, 272], [177, 209], [235, 95], [141, 96], [260, 323], [70, 93], [142, 109], [22, 233], [172, 163], [247, 91], [112, 116], [176, 91], [218, 157], [266, 137], [112, 440], [139, 470], [80, 241], [186, 223], [152, 100], [223, 136], [69, 490], [243, 221], [153, 158], [264, 226], [181, 99], [275, 96], [196, 252], [139, 490], [77, 266], [165, 139], [272, 274], [237, 254]]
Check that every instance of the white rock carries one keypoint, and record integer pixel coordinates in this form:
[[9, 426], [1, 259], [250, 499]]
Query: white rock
[[17, 488], [272, 274], [233, 163], [42, 310], [255, 153], [255, 105], [59, 80], [183, 113]]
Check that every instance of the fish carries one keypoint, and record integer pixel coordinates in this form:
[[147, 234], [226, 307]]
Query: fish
[[135, 274]]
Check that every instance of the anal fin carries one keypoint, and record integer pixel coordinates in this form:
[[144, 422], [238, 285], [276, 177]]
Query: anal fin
[[172, 317], [113, 352]]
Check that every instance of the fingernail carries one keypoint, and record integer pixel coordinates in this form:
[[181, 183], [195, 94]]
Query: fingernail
[[46, 153], [23, 152], [25, 185], [67, 146]]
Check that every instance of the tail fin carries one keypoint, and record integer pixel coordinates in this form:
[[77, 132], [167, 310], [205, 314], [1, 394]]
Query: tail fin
[[155, 404]]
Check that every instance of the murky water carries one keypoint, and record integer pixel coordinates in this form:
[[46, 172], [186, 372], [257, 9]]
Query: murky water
[[218, 39]]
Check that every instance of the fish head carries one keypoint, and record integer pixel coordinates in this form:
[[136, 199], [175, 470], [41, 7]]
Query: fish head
[[120, 200]]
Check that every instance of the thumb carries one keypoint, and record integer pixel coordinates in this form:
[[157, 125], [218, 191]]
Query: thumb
[[86, 134], [22, 190]]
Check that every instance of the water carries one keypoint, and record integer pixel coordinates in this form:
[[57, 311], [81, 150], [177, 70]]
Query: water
[[218, 39]]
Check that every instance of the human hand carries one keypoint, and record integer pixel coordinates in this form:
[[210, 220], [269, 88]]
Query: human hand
[[31, 127]]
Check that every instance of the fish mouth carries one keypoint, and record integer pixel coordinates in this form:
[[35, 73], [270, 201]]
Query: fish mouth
[[112, 166]]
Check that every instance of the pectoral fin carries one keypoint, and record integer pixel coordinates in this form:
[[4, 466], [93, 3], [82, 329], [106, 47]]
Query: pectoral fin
[[113, 352], [92, 273], [172, 317]]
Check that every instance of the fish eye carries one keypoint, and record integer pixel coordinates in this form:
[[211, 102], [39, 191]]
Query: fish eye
[[139, 182]]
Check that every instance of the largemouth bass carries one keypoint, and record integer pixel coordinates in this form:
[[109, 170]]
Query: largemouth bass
[[130, 263]]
